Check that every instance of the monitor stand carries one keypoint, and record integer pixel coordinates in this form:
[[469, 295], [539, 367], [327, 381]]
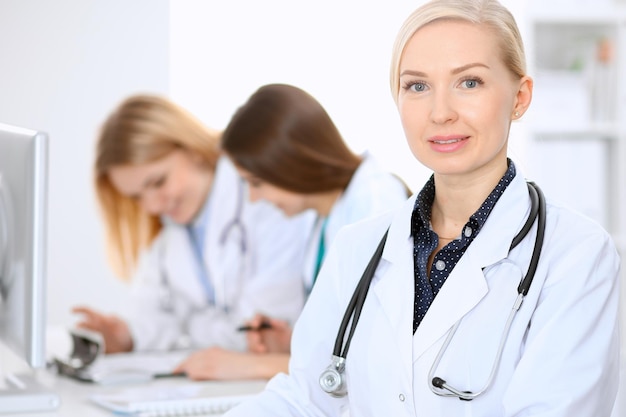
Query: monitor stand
[[23, 394]]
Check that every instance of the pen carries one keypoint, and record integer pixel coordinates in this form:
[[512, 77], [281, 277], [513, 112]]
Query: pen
[[264, 325]]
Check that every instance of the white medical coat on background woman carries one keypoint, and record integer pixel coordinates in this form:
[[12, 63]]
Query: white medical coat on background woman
[[372, 190], [560, 358], [170, 304]]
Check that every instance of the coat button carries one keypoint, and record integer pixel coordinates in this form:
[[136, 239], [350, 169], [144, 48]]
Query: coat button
[[401, 397]]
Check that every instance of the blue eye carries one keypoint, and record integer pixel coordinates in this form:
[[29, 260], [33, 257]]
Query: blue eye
[[419, 87], [471, 83]]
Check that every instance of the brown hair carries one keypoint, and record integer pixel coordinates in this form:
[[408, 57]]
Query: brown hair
[[142, 129], [284, 136]]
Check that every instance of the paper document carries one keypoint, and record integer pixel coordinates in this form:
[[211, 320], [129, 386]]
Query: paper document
[[119, 368], [181, 400]]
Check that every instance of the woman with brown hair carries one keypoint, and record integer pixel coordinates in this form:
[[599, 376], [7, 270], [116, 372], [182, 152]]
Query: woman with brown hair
[[286, 146]]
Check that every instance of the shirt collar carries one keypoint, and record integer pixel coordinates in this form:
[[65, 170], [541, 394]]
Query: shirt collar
[[424, 202]]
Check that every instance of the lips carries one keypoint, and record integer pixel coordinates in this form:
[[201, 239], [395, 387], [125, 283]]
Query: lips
[[448, 143], [444, 140], [172, 210]]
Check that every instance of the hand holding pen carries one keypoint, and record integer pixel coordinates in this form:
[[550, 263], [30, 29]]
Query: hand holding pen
[[249, 328], [265, 334]]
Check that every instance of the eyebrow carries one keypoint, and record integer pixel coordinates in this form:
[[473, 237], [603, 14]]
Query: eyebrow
[[454, 71], [146, 184]]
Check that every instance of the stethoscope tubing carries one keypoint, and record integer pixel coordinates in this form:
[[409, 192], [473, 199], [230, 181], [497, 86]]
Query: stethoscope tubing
[[166, 301], [436, 382], [357, 301], [539, 205], [538, 213], [355, 306]]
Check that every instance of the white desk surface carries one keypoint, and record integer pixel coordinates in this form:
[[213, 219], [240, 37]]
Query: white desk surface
[[75, 402]]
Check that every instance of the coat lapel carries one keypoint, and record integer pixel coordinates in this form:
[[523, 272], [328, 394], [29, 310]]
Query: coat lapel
[[393, 283], [464, 288]]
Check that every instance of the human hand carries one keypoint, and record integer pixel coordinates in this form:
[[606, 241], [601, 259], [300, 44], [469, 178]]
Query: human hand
[[220, 364], [114, 330], [274, 338]]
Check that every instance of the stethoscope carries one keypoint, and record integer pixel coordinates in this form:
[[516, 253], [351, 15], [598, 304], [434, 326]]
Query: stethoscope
[[234, 225], [332, 379]]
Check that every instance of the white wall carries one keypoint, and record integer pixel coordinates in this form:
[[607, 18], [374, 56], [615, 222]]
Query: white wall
[[336, 50], [64, 65], [339, 51]]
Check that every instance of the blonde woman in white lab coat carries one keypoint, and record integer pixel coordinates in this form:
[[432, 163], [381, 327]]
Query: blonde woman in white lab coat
[[458, 78], [292, 155], [162, 184]]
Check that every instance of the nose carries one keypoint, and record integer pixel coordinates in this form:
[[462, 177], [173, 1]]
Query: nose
[[153, 203], [442, 107]]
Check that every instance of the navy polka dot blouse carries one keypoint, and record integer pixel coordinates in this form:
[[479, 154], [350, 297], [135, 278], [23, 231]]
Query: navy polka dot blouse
[[425, 241]]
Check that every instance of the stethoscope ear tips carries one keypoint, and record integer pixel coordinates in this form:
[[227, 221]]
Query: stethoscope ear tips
[[438, 382], [461, 395]]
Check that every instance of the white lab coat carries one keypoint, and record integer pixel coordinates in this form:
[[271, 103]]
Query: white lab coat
[[560, 358], [170, 307], [372, 190]]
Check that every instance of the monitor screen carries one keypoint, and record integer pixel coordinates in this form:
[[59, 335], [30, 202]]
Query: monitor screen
[[23, 203], [23, 167]]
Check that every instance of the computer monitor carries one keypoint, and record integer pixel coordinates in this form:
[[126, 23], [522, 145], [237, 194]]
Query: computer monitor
[[23, 210]]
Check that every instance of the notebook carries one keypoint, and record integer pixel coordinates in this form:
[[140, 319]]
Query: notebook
[[122, 368], [178, 400], [83, 358]]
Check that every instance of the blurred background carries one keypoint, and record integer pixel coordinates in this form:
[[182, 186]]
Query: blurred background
[[64, 65]]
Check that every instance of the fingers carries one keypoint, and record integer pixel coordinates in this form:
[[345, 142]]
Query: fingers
[[201, 365], [180, 368], [256, 321], [278, 324], [271, 334], [256, 342], [92, 321], [86, 311], [190, 370]]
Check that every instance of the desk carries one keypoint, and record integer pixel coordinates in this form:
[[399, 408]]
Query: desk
[[75, 402]]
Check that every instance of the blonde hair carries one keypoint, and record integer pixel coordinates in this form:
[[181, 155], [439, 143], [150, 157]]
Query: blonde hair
[[481, 12], [142, 129]]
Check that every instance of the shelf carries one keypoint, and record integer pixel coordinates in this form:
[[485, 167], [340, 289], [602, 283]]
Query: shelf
[[577, 122], [564, 12], [605, 131]]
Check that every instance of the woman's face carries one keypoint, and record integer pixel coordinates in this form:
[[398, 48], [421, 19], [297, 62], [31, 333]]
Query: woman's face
[[288, 202], [175, 186], [457, 98]]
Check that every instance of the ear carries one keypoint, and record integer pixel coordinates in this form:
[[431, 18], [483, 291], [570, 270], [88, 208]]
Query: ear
[[523, 97]]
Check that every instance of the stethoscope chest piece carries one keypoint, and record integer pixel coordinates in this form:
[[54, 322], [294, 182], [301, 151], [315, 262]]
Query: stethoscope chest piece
[[332, 379]]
